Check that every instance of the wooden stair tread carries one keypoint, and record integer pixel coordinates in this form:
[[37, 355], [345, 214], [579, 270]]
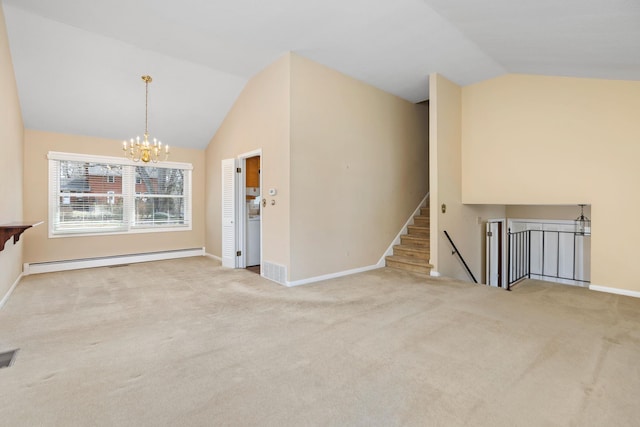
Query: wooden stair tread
[[415, 237], [419, 230], [414, 265], [412, 248], [422, 241], [412, 251], [409, 260]]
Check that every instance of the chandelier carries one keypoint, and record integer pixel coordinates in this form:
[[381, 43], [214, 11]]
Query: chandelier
[[145, 150]]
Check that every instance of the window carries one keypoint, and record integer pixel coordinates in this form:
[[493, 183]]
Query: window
[[94, 194], [160, 197]]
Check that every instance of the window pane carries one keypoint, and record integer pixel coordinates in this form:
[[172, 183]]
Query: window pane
[[164, 181], [85, 210], [90, 196], [151, 210], [159, 196], [84, 177]]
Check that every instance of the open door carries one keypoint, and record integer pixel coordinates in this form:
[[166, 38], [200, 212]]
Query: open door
[[229, 256]]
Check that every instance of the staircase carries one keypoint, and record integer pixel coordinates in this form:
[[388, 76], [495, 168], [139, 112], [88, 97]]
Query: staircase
[[412, 254]]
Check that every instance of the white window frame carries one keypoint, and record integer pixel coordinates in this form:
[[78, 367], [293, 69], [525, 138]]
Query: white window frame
[[128, 194]]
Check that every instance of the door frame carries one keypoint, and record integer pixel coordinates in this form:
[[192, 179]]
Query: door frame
[[502, 283], [241, 207]]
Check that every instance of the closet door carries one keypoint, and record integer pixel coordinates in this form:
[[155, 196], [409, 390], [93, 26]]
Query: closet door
[[229, 213]]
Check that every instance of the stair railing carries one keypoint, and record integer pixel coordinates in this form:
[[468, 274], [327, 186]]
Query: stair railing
[[518, 256], [457, 252], [521, 249]]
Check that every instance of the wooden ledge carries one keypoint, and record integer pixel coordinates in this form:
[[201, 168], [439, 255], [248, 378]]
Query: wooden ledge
[[14, 229]]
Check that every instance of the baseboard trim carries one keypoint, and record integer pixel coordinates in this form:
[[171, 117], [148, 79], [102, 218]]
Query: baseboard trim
[[76, 264], [434, 273], [330, 276], [382, 262], [217, 258], [616, 291], [6, 296]]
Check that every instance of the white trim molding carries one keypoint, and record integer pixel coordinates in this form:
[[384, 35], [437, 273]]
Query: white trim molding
[[330, 276], [76, 264], [617, 291], [6, 296], [212, 256]]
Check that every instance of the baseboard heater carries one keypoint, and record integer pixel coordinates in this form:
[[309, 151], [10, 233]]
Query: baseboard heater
[[76, 264]]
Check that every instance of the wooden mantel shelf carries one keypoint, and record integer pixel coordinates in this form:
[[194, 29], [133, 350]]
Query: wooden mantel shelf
[[14, 229]]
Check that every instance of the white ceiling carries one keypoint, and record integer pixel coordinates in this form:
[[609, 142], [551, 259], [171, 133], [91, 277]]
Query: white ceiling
[[78, 63]]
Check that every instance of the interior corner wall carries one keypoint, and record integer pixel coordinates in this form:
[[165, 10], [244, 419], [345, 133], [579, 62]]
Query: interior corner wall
[[464, 223], [11, 164], [359, 169], [259, 119], [38, 247], [560, 140]]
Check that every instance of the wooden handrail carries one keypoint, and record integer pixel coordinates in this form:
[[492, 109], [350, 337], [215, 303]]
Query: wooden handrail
[[457, 252]]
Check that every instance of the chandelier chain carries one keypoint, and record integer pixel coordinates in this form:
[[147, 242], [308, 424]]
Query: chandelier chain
[[145, 150], [146, 109], [147, 80]]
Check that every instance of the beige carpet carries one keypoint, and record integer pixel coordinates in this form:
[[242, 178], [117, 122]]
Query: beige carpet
[[187, 342]]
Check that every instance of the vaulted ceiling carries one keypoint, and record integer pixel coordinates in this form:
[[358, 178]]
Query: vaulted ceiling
[[78, 63]]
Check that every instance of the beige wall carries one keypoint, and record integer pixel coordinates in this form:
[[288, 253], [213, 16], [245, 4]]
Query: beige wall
[[557, 140], [546, 212], [11, 140], [359, 168], [349, 163], [464, 223], [40, 248], [259, 119]]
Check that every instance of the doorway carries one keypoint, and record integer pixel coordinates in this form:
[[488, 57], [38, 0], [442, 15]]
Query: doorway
[[495, 269], [252, 213], [241, 211]]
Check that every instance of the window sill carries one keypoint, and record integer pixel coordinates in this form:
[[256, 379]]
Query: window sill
[[132, 230]]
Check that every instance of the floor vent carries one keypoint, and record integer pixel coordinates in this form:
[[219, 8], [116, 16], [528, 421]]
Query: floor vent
[[275, 272], [7, 358]]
